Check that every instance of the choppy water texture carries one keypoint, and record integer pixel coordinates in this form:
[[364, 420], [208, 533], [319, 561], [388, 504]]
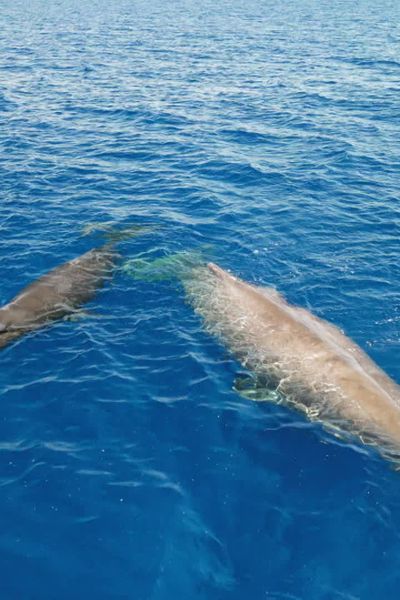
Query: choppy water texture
[[129, 468]]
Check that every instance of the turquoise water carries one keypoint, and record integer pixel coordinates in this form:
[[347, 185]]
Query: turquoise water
[[269, 134]]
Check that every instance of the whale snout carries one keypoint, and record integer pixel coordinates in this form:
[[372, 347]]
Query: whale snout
[[220, 273]]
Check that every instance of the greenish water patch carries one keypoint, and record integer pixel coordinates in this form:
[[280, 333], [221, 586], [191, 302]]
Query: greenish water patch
[[166, 268]]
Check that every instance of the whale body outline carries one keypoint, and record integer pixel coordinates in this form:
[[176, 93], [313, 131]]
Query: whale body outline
[[307, 361], [56, 294]]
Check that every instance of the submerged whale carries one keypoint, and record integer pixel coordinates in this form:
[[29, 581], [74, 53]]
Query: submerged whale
[[56, 294], [306, 362]]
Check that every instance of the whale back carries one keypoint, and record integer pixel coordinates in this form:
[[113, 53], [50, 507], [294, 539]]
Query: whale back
[[58, 292], [313, 364]]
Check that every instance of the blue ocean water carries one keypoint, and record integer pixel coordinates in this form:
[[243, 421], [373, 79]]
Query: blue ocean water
[[268, 133]]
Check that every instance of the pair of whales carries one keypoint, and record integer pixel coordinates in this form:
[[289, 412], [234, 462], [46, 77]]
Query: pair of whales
[[294, 356]]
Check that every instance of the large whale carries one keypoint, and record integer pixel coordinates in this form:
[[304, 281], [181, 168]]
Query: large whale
[[308, 362], [56, 294]]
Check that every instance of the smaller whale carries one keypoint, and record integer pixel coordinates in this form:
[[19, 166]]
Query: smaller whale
[[58, 293]]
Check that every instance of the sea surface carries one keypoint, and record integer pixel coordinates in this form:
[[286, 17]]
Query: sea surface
[[265, 135]]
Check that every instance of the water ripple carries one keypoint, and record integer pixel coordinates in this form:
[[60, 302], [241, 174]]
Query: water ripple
[[269, 140]]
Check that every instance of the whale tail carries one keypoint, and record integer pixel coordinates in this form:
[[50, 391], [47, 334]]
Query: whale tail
[[113, 234]]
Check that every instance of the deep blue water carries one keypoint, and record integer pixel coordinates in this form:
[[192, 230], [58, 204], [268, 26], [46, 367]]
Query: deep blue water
[[129, 468]]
